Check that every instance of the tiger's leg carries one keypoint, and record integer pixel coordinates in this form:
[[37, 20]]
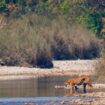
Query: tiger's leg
[[84, 87], [71, 89], [76, 88]]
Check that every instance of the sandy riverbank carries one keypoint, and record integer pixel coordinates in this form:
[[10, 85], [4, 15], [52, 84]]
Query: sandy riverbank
[[24, 72], [61, 68]]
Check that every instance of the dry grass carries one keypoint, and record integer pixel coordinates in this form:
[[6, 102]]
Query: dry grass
[[101, 69], [35, 40]]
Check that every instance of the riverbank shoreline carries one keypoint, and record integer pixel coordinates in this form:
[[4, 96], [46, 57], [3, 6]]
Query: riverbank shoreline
[[61, 68], [24, 72]]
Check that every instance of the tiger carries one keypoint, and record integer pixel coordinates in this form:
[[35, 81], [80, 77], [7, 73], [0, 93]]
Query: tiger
[[75, 82]]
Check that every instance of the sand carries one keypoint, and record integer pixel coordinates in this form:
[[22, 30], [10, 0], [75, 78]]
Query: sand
[[61, 68]]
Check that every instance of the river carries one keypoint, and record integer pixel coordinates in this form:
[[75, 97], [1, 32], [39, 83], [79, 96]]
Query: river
[[38, 91]]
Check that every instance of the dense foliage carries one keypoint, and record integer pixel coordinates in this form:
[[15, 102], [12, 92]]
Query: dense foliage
[[88, 12]]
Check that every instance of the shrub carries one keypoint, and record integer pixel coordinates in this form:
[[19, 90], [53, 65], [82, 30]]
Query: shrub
[[34, 40]]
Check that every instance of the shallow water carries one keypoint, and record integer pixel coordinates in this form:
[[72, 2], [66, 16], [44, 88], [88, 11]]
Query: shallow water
[[41, 90], [32, 87]]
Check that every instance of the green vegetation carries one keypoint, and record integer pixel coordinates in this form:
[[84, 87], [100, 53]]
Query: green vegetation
[[34, 32], [85, 12]]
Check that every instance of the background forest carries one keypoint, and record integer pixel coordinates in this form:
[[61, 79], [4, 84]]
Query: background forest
[[35, 32]]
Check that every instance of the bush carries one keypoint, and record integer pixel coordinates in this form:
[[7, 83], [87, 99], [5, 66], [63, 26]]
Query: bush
[[34, 40]]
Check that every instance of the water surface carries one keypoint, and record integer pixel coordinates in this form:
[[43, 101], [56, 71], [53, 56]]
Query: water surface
[[39, 91], [32, 87]]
